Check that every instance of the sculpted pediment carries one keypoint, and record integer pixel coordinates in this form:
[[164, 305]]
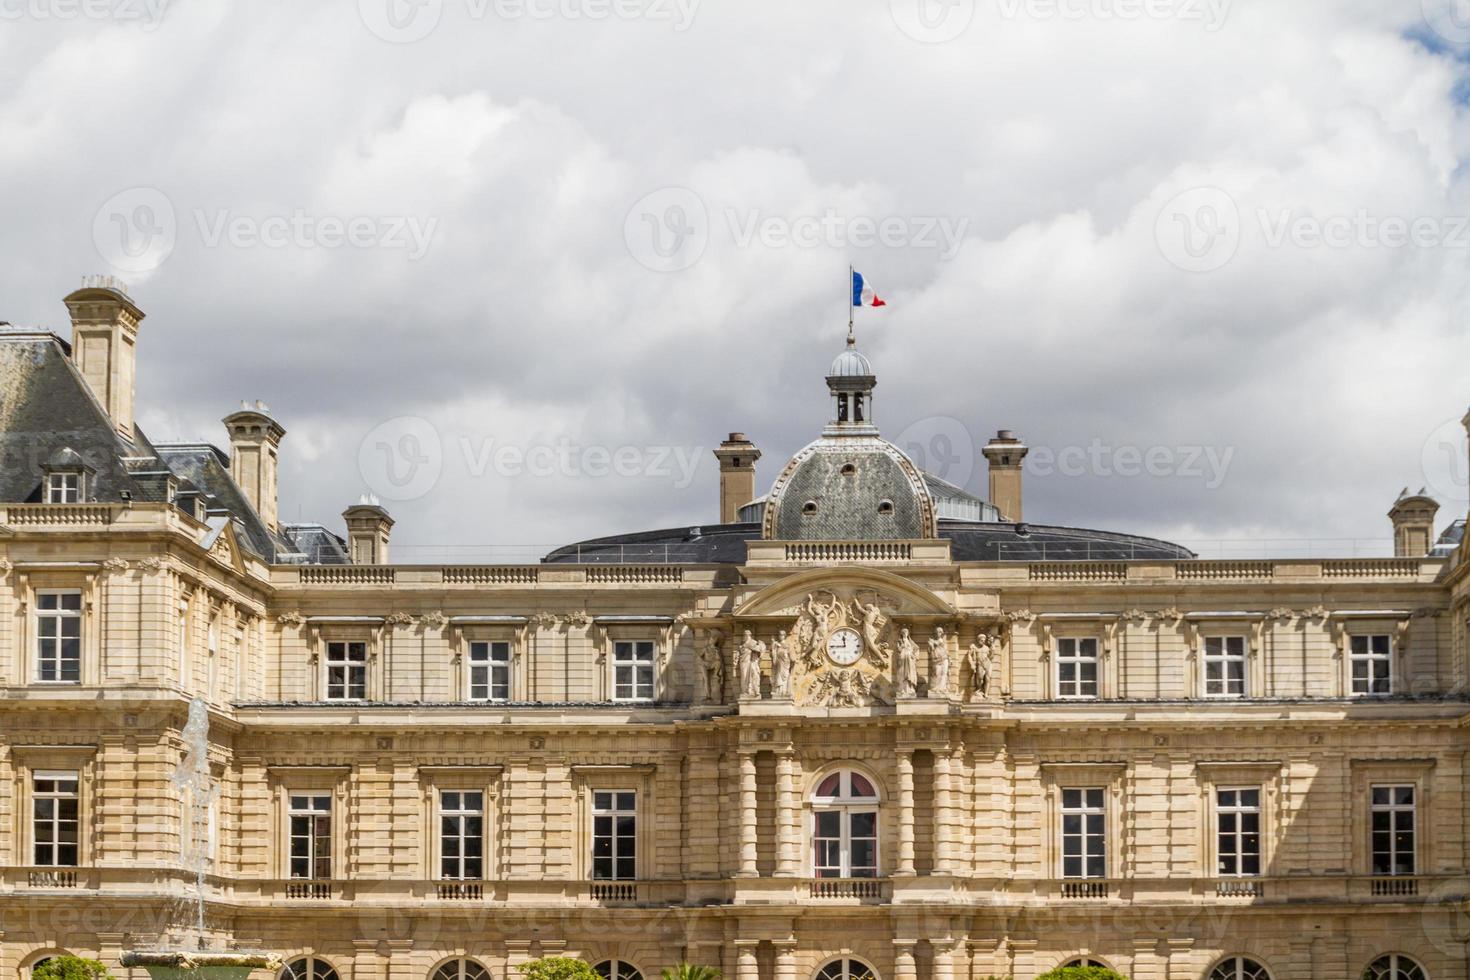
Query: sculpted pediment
[[836, 637]]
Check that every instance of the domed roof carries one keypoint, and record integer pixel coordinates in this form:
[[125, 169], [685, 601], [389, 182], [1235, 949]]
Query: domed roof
[[851, 363], [849, 489]]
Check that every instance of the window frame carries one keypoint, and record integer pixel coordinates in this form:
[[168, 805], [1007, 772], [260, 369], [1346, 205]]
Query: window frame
[[462, 813], [1096, 659], [1225, 659], [847, 805], [616, 812], [1393, 810], [77, 492], [844, 964], [1370, 657], [618, 969], [293, 812], [60, 616], [1239, 811], [638, 645], [491, 665], [1394, 966], [1236, 961], [288, 781], [348, 664], [1368, 773], [317, 968], [56, 822], [1087, 810]]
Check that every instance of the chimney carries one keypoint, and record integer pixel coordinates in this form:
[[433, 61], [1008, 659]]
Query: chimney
[[1004, 453], [104, 340], [1412, 515], [255, 440], [368, 527], [737, 456]]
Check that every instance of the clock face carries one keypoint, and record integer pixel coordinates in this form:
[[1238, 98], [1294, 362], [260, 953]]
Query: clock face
[[844, 646]]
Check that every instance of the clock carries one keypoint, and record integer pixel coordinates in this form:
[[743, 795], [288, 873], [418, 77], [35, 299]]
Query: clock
[[844, 647]]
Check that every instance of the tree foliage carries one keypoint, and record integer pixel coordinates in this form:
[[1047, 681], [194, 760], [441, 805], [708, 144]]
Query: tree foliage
[[70, 968], [558, 968], [1082, 973], [685, 971]]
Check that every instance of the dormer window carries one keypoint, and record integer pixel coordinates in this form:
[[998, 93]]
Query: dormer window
[[64, 488]]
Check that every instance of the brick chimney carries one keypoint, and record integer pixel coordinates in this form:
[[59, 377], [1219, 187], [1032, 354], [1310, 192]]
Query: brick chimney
[[255, 441], [737, 456], [1412, 515], [1004, 453], [104, 339], [368, 527]]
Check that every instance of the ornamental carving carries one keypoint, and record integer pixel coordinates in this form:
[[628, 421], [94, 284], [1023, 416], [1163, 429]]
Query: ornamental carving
[[433, 620], [398, 619], [291, 619], [116, 565], [150, 564], [839, 650]]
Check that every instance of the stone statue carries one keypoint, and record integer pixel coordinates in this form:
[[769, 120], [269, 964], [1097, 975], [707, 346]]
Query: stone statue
[[978, 660], [712, 668], [751, 651], [907, 681], [781, 659], [872, 630], [939, 664]]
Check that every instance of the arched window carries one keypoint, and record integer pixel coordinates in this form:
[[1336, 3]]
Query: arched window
[[1239, 968], [1394, 967], [308, 968], [845, 827], [39, 963], [461, 969], [618, 970], [846, 970], [1083, 961]]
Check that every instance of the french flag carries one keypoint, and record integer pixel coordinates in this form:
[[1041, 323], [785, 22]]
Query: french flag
[[862, 293]]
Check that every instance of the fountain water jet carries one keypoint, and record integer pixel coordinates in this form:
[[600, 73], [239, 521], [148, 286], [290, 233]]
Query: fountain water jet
[[192, 961]]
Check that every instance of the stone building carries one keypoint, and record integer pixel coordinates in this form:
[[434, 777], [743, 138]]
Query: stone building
[[868, 725]]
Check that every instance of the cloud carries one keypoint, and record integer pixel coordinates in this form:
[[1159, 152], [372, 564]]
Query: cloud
[[1003, 188]]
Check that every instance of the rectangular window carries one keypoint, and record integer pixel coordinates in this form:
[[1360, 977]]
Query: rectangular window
[[64, 488], [346, 671], [1076, 668], [462, 835], [1084, 834], [311, 836], [489, 671], [1225, 666], [56, 822], [1238, 831], [59, 637], [633, 670], [614, 836], [845, 844], [1392, 816], [1372, 659]]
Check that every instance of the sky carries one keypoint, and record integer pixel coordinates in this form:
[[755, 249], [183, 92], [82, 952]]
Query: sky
[[516, 267]]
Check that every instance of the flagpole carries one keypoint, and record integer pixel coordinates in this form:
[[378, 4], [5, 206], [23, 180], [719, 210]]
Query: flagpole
[[851, 340]]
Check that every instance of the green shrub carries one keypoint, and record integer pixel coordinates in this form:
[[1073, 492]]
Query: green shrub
[[558, 968], [70, 968], [686, 972], [1082, 973]]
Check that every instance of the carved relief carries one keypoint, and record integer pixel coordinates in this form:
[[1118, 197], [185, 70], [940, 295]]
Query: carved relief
[[840, 649]]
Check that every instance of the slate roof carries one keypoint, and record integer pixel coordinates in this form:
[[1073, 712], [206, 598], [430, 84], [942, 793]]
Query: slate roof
[[969, 541], [49, 416], [849, 488]]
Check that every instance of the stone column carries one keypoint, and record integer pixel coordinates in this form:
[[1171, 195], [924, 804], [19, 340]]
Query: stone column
[[400, 959], [788, 820], [943, 856], [905, 812], [943, 948], [747, 966], [366, 965], [748, 868], [904, 965], [786, 960]]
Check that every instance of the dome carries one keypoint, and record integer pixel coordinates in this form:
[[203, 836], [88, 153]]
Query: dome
[[849, 489], [851, 363]]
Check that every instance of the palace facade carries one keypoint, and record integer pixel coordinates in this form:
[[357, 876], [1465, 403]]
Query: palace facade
[[866, 725]]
